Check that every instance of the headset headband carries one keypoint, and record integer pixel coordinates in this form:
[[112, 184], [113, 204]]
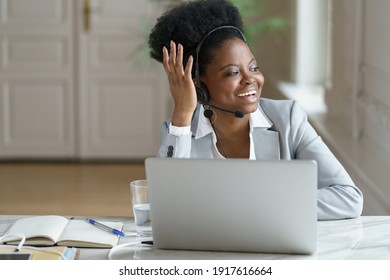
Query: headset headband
[[205, 37]]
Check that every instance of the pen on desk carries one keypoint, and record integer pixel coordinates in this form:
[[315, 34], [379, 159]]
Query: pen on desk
[[104, 227]]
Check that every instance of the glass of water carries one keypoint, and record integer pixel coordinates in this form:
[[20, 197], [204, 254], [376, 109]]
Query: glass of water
[[141, 208]]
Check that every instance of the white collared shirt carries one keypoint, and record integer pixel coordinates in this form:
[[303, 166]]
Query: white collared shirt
[[256, 119]]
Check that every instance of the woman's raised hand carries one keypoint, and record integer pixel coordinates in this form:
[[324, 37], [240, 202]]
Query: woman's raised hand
[[181, 84]]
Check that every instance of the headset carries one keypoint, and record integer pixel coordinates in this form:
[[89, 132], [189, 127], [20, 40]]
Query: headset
[[201, 89]]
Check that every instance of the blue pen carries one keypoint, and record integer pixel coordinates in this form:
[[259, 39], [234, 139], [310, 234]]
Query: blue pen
[[104, 227]]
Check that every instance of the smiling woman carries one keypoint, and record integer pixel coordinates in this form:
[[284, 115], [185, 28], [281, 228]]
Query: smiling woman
[[234, 81], [227, 78]]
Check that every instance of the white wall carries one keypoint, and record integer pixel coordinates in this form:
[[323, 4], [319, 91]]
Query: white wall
[[357, 126]]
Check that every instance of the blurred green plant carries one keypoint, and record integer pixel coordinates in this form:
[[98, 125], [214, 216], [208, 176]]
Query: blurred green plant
[[257, 20], [254, 13]]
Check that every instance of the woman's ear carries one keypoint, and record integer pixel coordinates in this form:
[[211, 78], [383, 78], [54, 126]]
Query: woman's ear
[[202, 92]]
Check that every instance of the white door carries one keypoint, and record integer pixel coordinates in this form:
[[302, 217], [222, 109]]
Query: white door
[[71, 92], [122, 91], [36, 78]]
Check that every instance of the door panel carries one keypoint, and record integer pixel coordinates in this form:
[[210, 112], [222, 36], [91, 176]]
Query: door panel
[[35, 12], [36, 79], [111, 105], [28, 104], [68, 92], [26, 53], [122, 92]]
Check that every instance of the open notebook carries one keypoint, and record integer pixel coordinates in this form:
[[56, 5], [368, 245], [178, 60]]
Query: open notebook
[[233, 205], [58, 230]]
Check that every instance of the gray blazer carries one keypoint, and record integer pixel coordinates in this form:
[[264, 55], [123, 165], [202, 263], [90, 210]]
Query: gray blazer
[[289, 137]]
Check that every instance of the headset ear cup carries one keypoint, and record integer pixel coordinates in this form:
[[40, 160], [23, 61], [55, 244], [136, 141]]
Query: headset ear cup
[[202, 93]]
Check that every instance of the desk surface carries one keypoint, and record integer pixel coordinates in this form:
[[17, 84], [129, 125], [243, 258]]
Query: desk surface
[[365, 238]]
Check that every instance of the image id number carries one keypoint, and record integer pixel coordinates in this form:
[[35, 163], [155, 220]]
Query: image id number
[[234, 270]]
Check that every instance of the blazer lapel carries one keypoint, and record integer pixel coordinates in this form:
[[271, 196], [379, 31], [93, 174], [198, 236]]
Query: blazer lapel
[[266, 144], [265, 140]]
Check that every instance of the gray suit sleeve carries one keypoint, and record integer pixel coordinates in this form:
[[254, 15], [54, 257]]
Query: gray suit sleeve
[[338, 197]]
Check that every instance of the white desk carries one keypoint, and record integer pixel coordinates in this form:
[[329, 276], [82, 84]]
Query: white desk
[[365, 238]]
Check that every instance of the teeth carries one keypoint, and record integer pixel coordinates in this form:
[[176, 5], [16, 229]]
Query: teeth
[[246, 93]]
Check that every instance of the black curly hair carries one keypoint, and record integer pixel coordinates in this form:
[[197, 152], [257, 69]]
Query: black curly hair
[[189, 22]]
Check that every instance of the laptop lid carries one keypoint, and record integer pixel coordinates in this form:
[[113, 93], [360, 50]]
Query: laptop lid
[[233, 205]]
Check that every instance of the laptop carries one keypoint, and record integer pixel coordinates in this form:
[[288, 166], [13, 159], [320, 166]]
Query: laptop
[[233, 205]]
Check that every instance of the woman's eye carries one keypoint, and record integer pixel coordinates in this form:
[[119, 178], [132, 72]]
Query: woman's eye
[[255, 69], [233, 73]]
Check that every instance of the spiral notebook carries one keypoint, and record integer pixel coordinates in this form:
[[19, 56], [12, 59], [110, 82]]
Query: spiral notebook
[[233, 205]]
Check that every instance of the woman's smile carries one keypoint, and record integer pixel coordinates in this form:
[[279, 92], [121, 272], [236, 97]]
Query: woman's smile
[[248, 93], [234, 79]]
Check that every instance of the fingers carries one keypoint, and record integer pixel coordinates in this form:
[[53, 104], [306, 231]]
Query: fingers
[[172, 55], [181, 84], [179, 62], [173, 60], [188, 68], [166, 60]]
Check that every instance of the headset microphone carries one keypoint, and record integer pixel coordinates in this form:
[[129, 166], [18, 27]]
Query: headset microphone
[[209, 113], [239, 114]]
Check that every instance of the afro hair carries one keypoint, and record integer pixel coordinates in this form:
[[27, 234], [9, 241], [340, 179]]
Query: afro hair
[[189, 22]]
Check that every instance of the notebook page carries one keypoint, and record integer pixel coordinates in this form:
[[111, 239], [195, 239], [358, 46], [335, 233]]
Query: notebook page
[[49, 227], [81, 233]]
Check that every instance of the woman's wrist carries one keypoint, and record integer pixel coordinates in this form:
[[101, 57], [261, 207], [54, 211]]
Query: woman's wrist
[[179, 130], [180, 118]]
